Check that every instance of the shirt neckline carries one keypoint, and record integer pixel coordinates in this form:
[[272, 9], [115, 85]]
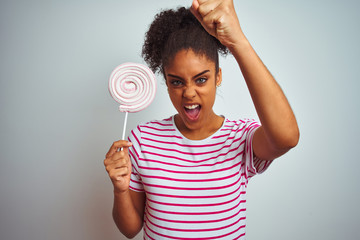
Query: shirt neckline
[[200, 140]]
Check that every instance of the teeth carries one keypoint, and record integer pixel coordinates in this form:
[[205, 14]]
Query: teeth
[[192, 106]]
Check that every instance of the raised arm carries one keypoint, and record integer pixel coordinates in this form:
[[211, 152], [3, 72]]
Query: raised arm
[[279, 131]]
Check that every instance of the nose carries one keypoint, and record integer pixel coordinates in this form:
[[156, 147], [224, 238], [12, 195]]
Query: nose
[[189, 92]]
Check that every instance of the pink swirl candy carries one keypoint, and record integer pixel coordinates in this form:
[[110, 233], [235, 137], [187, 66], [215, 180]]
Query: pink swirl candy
[[132, 85]]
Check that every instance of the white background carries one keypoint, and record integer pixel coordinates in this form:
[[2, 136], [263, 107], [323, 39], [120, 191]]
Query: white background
[[58, 119]]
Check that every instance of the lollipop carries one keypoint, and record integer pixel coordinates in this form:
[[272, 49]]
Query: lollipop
[[132, 85]]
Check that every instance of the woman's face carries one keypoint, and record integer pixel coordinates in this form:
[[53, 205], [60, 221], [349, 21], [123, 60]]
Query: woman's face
[[191, 80]]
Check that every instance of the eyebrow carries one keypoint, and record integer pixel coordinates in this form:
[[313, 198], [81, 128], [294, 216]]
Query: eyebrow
[[197, 75]]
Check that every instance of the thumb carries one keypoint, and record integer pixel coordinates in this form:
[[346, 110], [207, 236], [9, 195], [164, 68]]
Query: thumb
[[125, 148]]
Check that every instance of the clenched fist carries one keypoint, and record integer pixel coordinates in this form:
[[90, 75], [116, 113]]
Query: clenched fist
[[219, 19]]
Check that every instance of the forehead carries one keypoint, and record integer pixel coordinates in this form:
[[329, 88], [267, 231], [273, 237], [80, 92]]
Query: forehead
[[187, 58]]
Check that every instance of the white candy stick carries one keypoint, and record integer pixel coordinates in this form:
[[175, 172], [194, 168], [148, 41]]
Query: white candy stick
[[124, 129]]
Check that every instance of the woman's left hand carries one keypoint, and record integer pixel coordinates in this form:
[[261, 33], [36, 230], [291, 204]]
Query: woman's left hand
[[219, 19]]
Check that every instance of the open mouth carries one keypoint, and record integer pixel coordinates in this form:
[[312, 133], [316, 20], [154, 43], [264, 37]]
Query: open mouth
[[192, 111]]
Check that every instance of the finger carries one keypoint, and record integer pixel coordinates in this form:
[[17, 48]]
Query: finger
[[111, 164], [194, 6], [123, 144], [212, 19], [117, 174], [115, 159], [116, 146], [112, 150], [194, 10], [207, 7], [196, 14], [122, 152], [119, 156], [119, 164], [205, 12]]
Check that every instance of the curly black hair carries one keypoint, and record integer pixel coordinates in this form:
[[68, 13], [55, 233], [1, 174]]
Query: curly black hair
[[175, 30]]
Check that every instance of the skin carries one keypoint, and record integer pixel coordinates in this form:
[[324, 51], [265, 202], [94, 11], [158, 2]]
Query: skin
[[192, 79], [128, 210], [279, 131], [277, 135]]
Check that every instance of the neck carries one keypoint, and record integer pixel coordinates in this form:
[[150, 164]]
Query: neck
[[206, 130]]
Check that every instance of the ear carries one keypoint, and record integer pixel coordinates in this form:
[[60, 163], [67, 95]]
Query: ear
[[218, 78]]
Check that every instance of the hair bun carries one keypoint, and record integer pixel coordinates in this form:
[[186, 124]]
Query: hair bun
[[173, 30]]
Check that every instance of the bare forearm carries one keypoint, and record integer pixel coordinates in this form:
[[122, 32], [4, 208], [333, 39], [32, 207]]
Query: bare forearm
[[279, 131], [276, 116], [125, 215]]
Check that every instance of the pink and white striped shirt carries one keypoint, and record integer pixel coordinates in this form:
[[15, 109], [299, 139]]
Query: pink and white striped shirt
[[195, 189]]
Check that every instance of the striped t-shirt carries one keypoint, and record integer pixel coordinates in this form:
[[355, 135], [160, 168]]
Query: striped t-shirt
[[195, 189]]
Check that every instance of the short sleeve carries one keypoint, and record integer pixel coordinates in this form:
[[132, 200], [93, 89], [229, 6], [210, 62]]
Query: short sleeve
[[253, 165], [135, 155]]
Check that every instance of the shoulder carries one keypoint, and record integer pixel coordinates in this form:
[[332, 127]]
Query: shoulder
[[157, 125], [238, 130], [243, 124], [154, 127]]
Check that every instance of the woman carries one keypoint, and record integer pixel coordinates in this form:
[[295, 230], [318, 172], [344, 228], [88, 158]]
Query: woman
[[185, 177]]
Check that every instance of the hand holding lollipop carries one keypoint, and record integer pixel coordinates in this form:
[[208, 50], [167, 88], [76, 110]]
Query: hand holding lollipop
[[133, 86]]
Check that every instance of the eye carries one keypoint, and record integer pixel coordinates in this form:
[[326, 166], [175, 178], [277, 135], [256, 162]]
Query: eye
[[176, 82], [201, 80]]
